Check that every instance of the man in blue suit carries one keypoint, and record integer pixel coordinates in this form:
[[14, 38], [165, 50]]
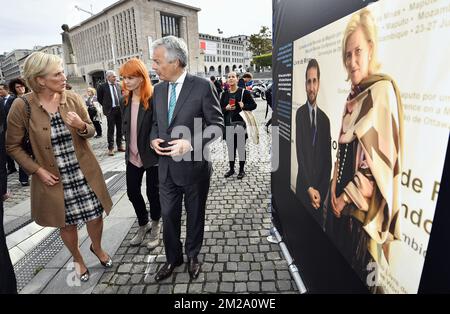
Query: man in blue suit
[[188, 103]]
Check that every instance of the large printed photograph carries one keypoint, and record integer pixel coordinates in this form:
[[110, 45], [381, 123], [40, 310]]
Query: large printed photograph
[[370, 123]]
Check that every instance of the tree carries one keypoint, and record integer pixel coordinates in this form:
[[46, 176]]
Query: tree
[[261, 43]]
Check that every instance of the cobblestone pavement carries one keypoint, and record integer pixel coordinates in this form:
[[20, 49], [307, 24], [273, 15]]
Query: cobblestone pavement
[[236, 255]]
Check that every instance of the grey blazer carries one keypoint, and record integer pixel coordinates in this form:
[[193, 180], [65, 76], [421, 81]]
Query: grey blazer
[[144, 125], [198, 100]]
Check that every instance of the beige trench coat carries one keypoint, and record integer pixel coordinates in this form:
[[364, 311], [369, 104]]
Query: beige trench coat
[[47, 203]]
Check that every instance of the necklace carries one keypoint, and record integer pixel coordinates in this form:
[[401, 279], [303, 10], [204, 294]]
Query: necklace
[[341, 164]]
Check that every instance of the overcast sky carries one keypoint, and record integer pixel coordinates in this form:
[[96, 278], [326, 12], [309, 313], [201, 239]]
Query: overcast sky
[[27, 23]]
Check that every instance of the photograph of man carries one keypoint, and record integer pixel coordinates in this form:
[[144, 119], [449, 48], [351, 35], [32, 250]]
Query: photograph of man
[[109, 95], [187, 102], [313, 144]]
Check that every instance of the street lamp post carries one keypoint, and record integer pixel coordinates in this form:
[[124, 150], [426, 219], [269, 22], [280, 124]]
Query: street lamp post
[[221, 52]]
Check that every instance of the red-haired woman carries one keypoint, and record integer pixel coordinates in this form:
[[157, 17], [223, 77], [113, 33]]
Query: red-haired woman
[[140, 159]]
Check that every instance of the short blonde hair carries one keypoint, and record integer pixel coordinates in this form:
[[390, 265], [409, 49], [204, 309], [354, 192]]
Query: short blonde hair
[[363, 19], [92, 90], [39, 64]]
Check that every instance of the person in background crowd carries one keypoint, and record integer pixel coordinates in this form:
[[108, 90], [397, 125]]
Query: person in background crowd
[[109, 95], [19, 88], [140, 158], [67, 186], [95, 111], [248, 79], [6, 101], [217, 85], [233, 102]]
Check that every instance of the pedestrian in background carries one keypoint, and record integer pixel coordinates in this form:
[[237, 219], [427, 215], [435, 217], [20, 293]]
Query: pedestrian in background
[[233, 101], [95, 111], [140, 158], [7, 278], [109, 95], [19, 88], [67, 186]]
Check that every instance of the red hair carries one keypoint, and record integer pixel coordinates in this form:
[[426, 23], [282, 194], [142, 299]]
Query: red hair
[[136, 68]]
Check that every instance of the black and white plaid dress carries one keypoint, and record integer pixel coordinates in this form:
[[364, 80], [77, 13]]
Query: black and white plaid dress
[[81, 203]]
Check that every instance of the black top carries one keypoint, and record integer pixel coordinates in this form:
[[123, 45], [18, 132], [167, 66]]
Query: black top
[[143, 129], [234, 116]]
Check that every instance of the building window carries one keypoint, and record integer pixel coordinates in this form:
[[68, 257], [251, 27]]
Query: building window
[[170, 25]]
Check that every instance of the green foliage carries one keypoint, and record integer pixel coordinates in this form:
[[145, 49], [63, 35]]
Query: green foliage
[[261, 43], [263, 60]]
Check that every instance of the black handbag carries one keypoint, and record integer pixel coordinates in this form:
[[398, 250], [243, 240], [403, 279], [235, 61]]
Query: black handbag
[[26, 144]]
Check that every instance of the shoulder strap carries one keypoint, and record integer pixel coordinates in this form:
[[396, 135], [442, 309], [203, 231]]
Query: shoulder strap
[[27, 110]]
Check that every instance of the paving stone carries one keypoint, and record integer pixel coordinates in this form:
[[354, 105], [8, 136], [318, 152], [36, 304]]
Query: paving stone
[[152, 289], [253, 286], [231, 266], [122, 280], [255, 276], [195, 288], [124, 290], [180, 288], [268, 287], [226, 287], [240, 287], [228, 277], [125, 268], [283, 275], [284, 285], [241, 276], [213, 277], [211, 287]]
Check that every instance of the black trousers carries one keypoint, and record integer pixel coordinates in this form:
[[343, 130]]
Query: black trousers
[[114, 121], [10, 165], [195, 197], [134, 183], [23, 177], [7, 277], [98, 127]]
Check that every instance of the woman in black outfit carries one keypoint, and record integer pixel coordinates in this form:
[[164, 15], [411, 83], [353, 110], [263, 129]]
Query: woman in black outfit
[[233, 101], [140, 159]]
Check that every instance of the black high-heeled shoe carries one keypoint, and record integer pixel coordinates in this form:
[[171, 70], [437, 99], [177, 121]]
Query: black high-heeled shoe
[[107, 264], [85, 277]]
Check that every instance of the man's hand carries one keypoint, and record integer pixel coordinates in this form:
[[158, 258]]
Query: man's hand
[[158, 149], [176, 148], [340, 204], [314, 196], [230, 108]]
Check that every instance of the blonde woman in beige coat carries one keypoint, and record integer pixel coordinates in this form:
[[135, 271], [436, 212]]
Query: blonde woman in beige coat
[[67, 185]]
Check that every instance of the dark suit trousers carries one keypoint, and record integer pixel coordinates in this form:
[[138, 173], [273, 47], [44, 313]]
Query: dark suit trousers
[[134, 183], [10, 163], [7, 278], [195, 197], [114, 121]]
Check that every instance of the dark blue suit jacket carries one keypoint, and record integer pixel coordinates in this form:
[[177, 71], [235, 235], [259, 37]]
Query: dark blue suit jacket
[[198, 101]]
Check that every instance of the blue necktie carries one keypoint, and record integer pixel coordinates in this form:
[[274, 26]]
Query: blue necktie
[[172, 101], [314, 128]]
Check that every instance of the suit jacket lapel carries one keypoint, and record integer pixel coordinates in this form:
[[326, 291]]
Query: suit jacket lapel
[[185, 91], [141, 115], [165, 104]]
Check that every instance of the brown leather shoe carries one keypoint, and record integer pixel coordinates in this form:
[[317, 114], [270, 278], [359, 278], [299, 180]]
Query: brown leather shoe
[[167, 270], [194, 268], [121, 149], [110, 152]]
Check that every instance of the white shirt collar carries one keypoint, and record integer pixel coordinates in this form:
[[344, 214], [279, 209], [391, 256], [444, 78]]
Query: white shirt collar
[[181, 79]]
